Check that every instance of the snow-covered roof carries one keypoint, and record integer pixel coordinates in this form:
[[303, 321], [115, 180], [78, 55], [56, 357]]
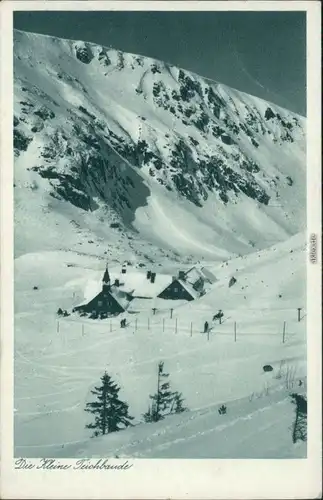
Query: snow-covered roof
[[92, 289], [138, 285], [189, 288], [139, 305], [134, 283], [192, 275], [120, 297], [208, 275]]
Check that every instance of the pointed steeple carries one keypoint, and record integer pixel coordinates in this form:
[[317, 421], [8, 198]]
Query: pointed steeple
[[106, 278]]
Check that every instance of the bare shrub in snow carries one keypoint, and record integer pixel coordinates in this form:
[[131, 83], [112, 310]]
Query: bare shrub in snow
[[290, 376], [222, 410], [280, 372]]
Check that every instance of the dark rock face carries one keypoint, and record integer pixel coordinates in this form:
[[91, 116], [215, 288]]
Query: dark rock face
[[84, 53], [155, 69], [209, 151], [215, 102], [232, 281], [20, 141], [226, 139], [269, 114], [209, 112], [44, 113], [96, 173], [104, 58]]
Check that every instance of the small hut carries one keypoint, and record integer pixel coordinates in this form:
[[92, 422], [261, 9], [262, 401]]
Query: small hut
[[188, 285]]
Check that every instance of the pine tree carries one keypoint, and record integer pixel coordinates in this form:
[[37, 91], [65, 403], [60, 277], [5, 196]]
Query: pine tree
[[111, 414], [299, 432], [178, 400], [151, 414], [164, 401]]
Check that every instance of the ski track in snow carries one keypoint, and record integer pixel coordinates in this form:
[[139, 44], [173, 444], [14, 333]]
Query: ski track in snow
[[217, 428], [47, 412], [185, 423]]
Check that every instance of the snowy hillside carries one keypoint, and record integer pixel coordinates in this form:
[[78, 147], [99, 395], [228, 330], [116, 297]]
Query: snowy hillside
[[57, 362], [170, 159]]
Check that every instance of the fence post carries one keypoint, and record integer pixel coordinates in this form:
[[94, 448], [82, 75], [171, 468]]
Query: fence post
[[284, 331], [208, 334], [191, 328], [299, 314], [163, 324], [57, 326], [235, 331], [148, 323], [82, 330], [136, 322], [110, 325], [171, 313], [176, 325]]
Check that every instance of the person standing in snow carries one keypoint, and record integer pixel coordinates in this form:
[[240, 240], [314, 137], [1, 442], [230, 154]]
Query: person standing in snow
[[206, 326]]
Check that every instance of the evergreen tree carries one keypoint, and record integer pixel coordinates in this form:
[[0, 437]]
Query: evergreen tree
[[178, 401], [151, 414], [111, 414], [299, 432], [164, 401]]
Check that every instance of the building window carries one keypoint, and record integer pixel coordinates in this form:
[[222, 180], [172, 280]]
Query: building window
[[175, 289], [100, 303]]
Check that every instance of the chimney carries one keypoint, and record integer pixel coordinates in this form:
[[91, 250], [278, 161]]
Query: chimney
[[152, 277], [148, 275], [181, 275]]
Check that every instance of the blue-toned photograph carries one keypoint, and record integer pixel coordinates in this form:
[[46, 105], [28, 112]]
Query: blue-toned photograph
[[160, 235]]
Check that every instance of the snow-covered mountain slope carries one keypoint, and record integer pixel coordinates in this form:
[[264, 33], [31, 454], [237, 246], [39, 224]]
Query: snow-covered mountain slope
[[179, 162], [57, 364]]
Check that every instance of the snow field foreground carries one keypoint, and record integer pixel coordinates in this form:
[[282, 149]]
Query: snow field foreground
[[57, 363]]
